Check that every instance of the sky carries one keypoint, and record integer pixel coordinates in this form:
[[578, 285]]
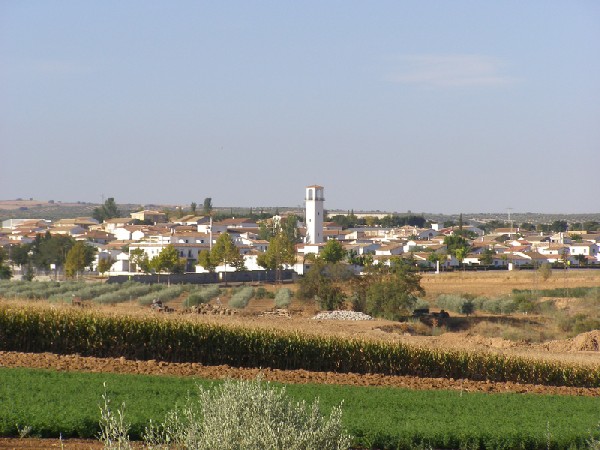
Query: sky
[[427, 106]]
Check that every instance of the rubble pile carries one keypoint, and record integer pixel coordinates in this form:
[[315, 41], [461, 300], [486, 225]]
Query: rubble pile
[[342, 315], [212, 310]]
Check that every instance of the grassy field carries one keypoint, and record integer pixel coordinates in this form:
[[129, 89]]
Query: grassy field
[[55, 403]]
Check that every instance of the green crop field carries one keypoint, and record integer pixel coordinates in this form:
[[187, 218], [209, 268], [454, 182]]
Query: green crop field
[[58, 403]]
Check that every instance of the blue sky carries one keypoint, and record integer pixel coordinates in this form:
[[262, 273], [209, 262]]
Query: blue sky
[[428, 106]]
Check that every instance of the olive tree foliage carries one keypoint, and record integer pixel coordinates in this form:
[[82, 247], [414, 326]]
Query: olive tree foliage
[[236, 415]]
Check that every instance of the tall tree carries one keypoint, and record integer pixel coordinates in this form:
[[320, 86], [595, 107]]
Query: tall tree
[[205, 261], [392, 291], [225, 252], [455, 242], [207, 206], [289, 227], [193, 207], [280, 252], [140, 259], [5, 270], [105, 264], [108, 210], [78, 258], [168, 261]]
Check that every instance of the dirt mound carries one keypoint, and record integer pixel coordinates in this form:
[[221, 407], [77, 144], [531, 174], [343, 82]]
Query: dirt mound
[[585, 342]]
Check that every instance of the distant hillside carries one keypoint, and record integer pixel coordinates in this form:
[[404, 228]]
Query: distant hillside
[[35, 209]]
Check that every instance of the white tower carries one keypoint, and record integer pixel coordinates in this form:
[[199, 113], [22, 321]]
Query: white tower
[[314, 214]]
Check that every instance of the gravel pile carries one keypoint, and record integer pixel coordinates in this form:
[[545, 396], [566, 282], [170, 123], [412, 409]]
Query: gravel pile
[[342, 315]]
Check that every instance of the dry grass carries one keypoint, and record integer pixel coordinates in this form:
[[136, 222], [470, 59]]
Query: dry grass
[[495, 283]]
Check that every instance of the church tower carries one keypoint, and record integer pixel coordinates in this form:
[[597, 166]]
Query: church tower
[[314, 214]]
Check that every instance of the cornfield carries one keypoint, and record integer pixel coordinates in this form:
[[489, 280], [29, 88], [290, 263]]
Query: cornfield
[[92, 334]]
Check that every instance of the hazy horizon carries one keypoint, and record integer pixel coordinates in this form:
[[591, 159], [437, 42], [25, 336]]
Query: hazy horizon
[[393, 106]]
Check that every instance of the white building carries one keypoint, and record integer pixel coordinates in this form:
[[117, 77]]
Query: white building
[[314, 214]]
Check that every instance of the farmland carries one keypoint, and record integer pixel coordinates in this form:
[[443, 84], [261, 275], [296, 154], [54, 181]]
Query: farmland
[[568, 365]]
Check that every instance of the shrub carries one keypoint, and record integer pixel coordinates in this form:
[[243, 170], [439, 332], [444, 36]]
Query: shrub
[[241, 297], [545, 271], [283, 298], [165, 294], [455, 303], [248, 415], [202, 295]]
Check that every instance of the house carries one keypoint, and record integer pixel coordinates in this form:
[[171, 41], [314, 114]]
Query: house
[[583, 248], [223, 225], [67, 230], [109, 225], [390, 250], [149, 216], [97, 236], [83, 222]]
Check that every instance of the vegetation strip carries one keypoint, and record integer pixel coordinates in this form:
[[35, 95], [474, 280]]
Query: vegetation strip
[[88, 334], [55, 403]]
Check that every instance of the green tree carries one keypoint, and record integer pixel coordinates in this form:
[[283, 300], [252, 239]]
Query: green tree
[[140, 259], [280, 252], [5, 270], [467, 308], [333, 252], [168, 261], [454, 242], [193, 207], [461, 254], [225, 252], [207, 206], [105, 264], [289, 228], [318, 284], [205, 261], [392, 291], [108, 210], [559, 225], [78, 258], [487, 257], [48, 249]]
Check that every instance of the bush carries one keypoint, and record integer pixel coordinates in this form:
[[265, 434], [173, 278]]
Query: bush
[[238, 415], [241, 297], [283, 298], [166, 294], [455, 303], [202, 295]]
